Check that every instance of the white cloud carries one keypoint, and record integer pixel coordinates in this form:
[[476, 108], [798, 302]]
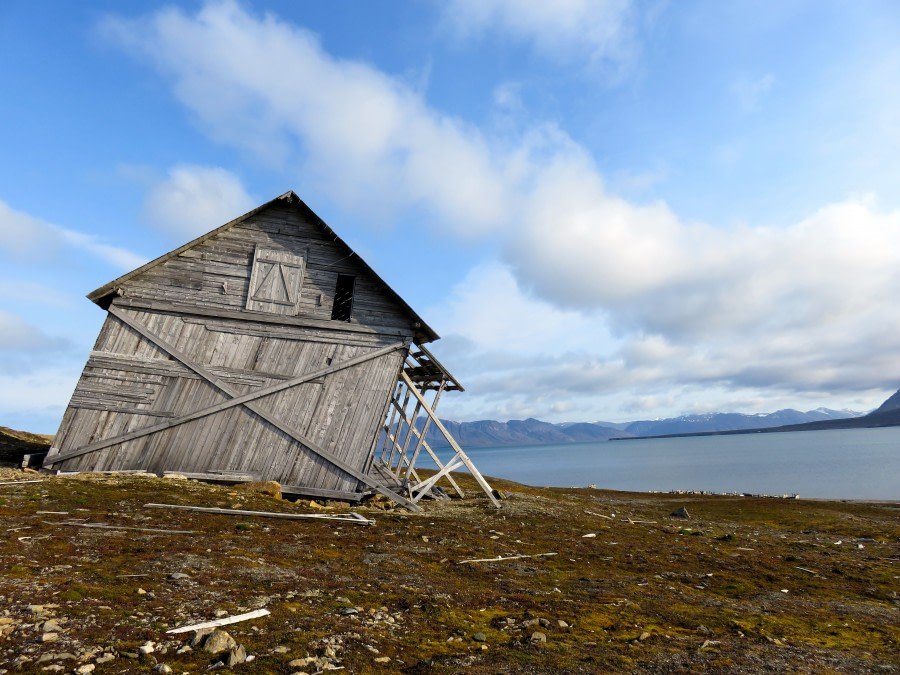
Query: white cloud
[[802, 308], [368, 140], [564, 30], [24, 236], [31, 239], [488, 308], [195, 199]]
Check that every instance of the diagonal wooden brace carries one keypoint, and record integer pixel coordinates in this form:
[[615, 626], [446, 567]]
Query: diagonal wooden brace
[[424, 444], [460, 453], [425, 486]]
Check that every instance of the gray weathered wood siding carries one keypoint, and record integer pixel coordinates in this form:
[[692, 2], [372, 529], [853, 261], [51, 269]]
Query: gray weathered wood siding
[[198, 302], [215, 274]]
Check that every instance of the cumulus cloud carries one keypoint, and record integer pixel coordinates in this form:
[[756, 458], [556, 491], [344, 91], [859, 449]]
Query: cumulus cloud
[[195, 199], [802, 308], [368, 139], [27, 238], [588, 30], [488, 308]]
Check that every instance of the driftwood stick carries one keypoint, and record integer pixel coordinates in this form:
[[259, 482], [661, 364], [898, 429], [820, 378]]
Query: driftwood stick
[[599, 514], [499, 558], [255, 614], [351, 517], [22, 482], [104, 526]]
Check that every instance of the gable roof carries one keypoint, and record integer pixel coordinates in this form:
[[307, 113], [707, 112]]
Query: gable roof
[[424, 332]]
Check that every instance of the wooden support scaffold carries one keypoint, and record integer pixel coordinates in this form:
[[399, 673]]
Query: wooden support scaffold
[[402, 442]]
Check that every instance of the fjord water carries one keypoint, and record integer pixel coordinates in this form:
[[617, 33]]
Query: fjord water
[[838, 464]]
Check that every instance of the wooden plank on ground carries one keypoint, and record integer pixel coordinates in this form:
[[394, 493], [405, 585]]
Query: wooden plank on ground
[[226, 621], [351, 517]]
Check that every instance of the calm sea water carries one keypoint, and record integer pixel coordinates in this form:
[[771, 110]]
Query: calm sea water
[[839, 464]]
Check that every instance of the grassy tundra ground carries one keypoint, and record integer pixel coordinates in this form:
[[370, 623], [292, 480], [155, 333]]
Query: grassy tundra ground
[[746, 585]]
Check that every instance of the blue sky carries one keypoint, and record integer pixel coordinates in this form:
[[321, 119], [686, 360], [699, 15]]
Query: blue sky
[[609, 210]]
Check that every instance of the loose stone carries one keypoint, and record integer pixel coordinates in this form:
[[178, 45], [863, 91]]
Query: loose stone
[[219, 641], [235, 656], [51, 626]]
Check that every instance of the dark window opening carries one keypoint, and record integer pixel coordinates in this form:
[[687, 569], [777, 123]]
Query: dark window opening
[[343, 298]]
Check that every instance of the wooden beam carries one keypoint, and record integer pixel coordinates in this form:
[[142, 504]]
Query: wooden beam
[[345, 517], [258, 317], [433, 455], [322, 493], [395, 392], [424, 487], [255, 614], [396, 439]]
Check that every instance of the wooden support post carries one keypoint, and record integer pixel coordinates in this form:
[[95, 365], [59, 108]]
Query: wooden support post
[[398, 468], [460, 454], [425, 427], [390, 423], [409, 434], [402, 409], [434, 458]]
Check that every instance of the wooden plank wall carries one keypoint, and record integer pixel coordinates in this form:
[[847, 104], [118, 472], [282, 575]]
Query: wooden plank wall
[[216, 273], [341, 411]]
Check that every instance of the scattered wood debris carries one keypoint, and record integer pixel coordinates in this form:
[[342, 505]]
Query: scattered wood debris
[[500, 558], [351, 517], [255, 614]]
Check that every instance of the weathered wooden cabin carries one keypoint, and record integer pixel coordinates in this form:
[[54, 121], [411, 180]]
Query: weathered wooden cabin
[[265, 349]]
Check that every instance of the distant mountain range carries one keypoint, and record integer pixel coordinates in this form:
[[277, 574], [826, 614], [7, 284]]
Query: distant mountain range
[[490, 433], [724, 422]]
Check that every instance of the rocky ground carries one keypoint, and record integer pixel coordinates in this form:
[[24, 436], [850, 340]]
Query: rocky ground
[[743, 585]]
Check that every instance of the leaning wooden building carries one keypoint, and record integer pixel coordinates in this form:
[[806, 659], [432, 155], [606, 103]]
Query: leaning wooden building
[[265, 349]]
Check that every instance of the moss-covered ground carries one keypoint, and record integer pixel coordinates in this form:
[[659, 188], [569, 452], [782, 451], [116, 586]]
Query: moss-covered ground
[[745, 585]]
